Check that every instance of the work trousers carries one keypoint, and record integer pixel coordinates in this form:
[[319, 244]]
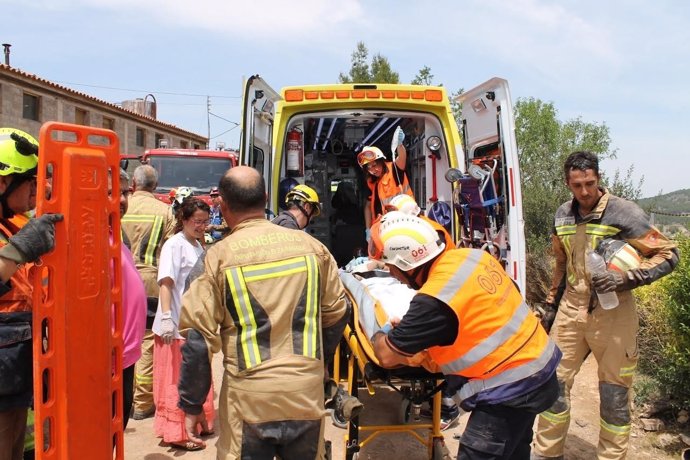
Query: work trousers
[[127, 393], [143, 376], [12, 432], [611, 336]]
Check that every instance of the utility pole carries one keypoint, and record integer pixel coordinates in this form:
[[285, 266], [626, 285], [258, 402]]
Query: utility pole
[[208, 121]]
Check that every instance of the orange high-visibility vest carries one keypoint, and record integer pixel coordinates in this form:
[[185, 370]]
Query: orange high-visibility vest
[[385, 188], [499, 340]]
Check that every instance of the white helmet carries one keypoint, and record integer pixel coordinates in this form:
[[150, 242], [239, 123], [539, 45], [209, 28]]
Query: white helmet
[[404, 241], [181, 193], [619, 255], [403, 203], [368, 154]]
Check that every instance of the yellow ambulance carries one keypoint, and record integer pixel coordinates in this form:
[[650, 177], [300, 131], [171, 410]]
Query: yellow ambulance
[[312, 135]]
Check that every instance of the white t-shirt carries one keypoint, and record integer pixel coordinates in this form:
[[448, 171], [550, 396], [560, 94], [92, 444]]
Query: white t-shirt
[[178, 256]]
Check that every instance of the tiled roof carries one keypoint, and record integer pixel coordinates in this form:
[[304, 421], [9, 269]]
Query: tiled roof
[[21, 73]]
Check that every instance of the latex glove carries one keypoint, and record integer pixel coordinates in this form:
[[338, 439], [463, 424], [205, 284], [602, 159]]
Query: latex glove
[[401, 135], [385, 329], [548, 317], [167, 328], [367, 234], [608, 281], [33, 240]]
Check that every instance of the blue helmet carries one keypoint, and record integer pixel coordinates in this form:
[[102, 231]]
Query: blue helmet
[[284, 187]]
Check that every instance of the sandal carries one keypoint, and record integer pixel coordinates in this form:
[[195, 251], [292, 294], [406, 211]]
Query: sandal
[[188, 445], [205, 433]]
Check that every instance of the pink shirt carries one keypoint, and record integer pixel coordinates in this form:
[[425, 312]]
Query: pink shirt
[[133, 309]]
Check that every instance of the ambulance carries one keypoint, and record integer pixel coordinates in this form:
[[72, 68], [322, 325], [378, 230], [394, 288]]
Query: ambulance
[[467, 178]]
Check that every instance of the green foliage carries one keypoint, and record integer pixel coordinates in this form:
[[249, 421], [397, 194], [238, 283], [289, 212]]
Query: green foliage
[[423, 77], [664, 309], [380, 70], [456, 107]]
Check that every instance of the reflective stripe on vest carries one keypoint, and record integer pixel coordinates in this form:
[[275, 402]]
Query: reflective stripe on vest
[[147, 252], [514, 374], [490, 344], [251, 320]]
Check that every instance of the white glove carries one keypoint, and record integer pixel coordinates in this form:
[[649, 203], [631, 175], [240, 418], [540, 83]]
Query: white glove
[[167, 328]]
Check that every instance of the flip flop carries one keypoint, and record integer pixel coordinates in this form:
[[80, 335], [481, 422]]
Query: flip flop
[[188, 445], [207, 433]]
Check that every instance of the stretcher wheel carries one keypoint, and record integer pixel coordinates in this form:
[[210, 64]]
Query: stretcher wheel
[[338, 419], [439, 451], [404, 411]]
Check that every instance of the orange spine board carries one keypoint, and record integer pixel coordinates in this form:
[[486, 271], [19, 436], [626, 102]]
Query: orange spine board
[[77, 300]]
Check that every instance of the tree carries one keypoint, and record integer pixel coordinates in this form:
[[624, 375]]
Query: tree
[[380, 70], [423, 77]]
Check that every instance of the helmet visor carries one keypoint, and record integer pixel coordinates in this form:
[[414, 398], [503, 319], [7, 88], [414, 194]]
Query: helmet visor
[[366, 157]]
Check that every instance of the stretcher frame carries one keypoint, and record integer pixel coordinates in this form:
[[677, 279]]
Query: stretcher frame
[[363, 369]]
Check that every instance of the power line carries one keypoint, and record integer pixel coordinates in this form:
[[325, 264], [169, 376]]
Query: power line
[[673, 214], [146, 91]]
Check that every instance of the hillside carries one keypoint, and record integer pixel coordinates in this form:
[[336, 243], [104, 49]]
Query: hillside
[[677, 202]]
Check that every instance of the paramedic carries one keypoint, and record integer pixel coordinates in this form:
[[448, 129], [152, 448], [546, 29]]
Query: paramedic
[[407, 204], [581, 326], [385, 179], [499, 362], [147, 224], [19, 248], [302, 204], [270, 298]]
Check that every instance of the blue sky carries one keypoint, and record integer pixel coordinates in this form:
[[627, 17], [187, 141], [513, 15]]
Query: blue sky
[[623, 63]]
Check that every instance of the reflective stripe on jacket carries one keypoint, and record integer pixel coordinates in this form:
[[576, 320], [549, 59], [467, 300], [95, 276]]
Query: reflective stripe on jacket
[[499, 340], [385, 188]]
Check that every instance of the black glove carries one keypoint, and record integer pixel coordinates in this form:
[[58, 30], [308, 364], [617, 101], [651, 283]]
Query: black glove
[[33, 240], [610, 281], [548, 317]]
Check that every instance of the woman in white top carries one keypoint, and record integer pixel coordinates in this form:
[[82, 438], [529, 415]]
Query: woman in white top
[[178, 256]]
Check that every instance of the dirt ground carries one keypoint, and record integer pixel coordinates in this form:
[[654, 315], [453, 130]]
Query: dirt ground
[[141, 444]]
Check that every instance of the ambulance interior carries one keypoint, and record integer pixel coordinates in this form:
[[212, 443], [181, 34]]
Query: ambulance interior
[[327, 162]]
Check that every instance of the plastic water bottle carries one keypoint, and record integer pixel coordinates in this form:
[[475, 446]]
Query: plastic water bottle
[[596, 264]]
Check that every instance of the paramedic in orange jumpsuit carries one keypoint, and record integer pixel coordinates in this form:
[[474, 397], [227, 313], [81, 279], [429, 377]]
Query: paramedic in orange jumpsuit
[[270, 298], [18, 249], [385, 179], [470, 319], [581, 326]]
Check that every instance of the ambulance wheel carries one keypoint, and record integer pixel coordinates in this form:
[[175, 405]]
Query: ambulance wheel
[[404, 411], [439, 451]]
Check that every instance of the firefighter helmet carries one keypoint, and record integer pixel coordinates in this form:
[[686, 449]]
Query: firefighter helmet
[[404, 240], [18, 152], [619, 255], [305, 194], [368, 155], [403, 203], [181, 193]]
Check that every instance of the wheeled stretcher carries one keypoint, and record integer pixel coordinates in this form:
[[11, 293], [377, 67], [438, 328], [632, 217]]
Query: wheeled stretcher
[[376, 299]]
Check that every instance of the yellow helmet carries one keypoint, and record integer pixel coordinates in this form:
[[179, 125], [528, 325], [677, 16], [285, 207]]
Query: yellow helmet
[[305, 194], [18, 152], [404, 240]]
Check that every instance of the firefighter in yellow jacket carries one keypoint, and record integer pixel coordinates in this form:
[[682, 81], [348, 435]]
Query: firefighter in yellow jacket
[[270, 298], [581, 326], [469, 318]]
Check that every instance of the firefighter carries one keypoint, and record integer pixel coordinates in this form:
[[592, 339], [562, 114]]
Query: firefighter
[[469, 319], [19, 248], [582, 327], [385, 179], [302, 204], [148, 224], [270, 298]]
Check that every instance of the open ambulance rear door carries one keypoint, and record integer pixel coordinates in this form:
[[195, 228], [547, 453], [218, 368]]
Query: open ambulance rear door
[[488, 130], [258, 115]]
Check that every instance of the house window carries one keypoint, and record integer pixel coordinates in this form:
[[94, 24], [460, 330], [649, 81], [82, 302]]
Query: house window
[[184, 144], [196, 146], [161, 142], [32, 105], [141, 137], [108, 123], [81, 116]]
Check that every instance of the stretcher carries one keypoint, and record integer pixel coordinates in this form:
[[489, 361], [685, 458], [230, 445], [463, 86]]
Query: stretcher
[[376, 297]]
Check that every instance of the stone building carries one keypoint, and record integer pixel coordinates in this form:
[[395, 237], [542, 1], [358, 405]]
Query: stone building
[[27, 101]]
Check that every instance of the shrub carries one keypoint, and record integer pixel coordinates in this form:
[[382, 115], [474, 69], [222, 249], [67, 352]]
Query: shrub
[[664, 338]]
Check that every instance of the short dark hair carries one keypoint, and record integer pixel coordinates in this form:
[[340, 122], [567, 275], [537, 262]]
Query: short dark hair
[[187, 209], [246, 194], [582, 161]]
